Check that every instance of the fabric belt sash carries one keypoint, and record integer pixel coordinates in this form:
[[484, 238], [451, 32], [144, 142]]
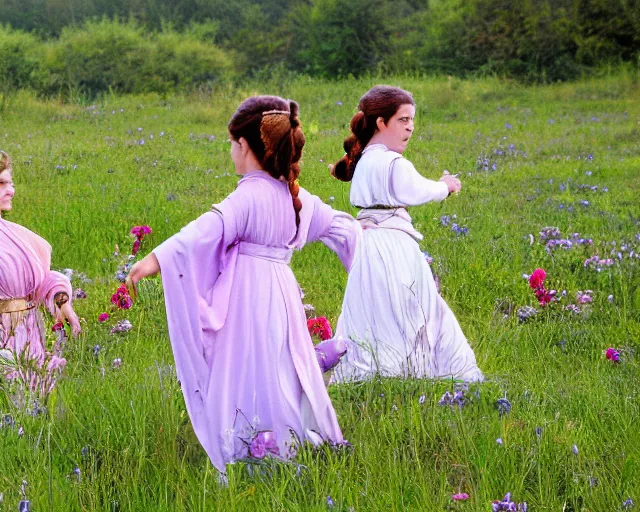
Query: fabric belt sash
[[16, 305]]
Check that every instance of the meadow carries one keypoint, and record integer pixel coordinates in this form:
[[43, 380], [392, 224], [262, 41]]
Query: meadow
[[115, 435]]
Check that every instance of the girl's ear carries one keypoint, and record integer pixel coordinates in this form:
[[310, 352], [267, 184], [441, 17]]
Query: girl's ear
[[380, 123]]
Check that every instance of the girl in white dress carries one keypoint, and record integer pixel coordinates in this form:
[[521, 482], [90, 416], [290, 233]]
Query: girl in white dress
[[393, 319]]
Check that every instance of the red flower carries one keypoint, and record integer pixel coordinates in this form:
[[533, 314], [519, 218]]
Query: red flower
[[613, 355], [320, 327], [537, 278], [140, 231], [121, 298], [58, 326], [136, 246], [543, 296], [103, 317]]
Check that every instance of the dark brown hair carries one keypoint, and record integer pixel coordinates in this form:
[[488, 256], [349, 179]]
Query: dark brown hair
[[271, 126], [379, 101], [5, 161]]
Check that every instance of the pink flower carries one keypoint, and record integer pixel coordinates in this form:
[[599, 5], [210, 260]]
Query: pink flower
[[320, 327], [461, 496], [136, 247], [58, 326], [612, 355], [121, 298], [140, 231], [536, 280], [103, 317]]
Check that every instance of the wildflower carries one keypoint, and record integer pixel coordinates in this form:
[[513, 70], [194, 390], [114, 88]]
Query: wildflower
[[121, 298], [320, 327], [263, 444], [121, 327], [549, 232], [24, 506], [536, 280], [612, 355], [627, 504], [77, 473], [330, 503], [445, 220], [524, 313], [500, 441], [428, 257], [573, 309], [610, 298], [584, 297], [139, 232], [103, 317], [58, 326], [422, 399], [508, 126], [539, 432], [461, 496], [503, 405], [79, 293], [117, 363], [96, 350], [507, 505]]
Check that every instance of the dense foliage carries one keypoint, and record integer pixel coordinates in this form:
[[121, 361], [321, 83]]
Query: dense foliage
[[143, 45]]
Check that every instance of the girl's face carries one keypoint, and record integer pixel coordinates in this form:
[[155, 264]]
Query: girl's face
[[395, 134], [7, 190]]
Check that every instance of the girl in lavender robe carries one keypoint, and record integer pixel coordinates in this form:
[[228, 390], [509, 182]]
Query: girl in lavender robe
[[27, 283], [244, 356], [397, 322]]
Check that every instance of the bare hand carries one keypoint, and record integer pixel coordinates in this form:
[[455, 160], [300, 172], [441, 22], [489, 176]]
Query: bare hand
[[332, 169], [453, 184], [70, 316], [131, 281]]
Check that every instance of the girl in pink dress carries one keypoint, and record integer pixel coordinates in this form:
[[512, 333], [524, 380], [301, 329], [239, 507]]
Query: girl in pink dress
[[27, 283], [245, 360]]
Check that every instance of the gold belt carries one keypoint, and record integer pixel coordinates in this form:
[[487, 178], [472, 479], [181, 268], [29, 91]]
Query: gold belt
[[16, 305]]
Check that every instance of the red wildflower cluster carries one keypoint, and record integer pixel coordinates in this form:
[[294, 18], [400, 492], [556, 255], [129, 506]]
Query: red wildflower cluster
[[121, 298], [536, 282], [320, 327], [139, 232]]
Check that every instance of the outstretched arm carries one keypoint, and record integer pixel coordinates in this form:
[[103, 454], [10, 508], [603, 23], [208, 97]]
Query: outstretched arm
[[409, 187]]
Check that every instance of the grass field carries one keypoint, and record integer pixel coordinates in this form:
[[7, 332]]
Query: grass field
[[528, 157]]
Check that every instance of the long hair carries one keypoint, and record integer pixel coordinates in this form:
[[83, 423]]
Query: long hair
[[380, 101], [271, 127]]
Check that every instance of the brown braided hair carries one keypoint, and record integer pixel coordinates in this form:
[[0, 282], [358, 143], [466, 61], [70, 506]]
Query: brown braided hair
[[379, 101], [271, 127], [5, 162]]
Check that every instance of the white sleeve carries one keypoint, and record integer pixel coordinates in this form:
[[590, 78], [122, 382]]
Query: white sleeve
[[408, 187]]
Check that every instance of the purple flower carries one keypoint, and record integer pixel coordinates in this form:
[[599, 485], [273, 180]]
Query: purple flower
[[627, 504], [508, 126], [79, 293], [117, 363], [503, 405], [24, 506], [264, 443], [500, 441], [574, 449], [422, 399], [330, 503]]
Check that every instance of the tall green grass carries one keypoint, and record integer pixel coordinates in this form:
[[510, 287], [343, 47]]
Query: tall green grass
[[84, 179]]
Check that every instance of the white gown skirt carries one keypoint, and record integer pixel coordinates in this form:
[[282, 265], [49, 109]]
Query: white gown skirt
[[395, 321]]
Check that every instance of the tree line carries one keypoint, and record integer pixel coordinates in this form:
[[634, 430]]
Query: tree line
[[56, 46]]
